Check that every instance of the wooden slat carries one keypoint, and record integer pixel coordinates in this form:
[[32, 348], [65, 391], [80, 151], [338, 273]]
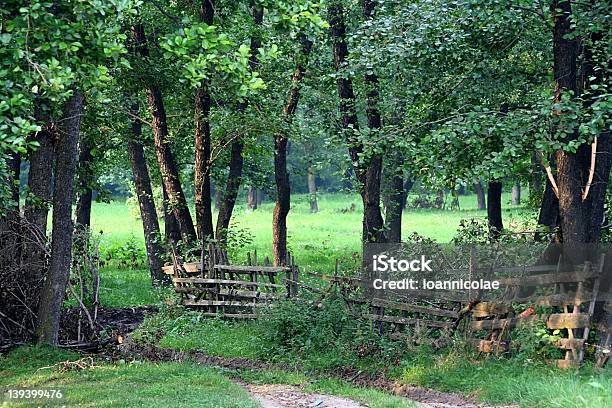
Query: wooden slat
[[570, 344], [406, 320], [414, 308], [568, 321], [549, 279], [485, 309], [504, 323], [233, 303], [556, 300], [231, 315], [251, 269], [224, 292], [225, 282]]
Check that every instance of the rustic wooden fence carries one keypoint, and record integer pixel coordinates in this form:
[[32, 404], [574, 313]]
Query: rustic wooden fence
[[218, 288]]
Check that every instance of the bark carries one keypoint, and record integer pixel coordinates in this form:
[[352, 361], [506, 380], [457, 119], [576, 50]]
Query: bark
[[236, 160], [395, 207], [259, 195], [231, 191], [38, 200], [252, 198], [165, 158], [84, 191], [203, 202], [516, 194], [368, 174], [172, 231], [281, 175], [312, 190], [144, 192], [494, 208], [54, 289], [480, 196]]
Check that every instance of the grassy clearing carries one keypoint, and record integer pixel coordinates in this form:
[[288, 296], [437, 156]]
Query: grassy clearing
[[136, 384], [316, 240]]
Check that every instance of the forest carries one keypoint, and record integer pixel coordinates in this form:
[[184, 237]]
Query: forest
[[191, 193]]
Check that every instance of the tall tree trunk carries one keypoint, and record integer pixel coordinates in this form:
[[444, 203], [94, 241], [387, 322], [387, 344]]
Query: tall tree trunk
[[259, 195], [570, 166], [38, 200], [252, 198], [368, 174], [516, 193], [395, 209], [494, 208], [84, 191], [480, 196], [231, 191], [203, 204], [312, 190], [236, 160], [281, 175], [54, 289], [172, 231], [144, 192], [165, 159]]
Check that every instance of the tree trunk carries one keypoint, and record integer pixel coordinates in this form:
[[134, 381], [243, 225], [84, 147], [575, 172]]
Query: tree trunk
[[172, 231], [259, 195], [407, 188], [203, 204], [144, 192], [165, 159], [312, 190], [494, 208], [252, 198], [281, 175], [84, 192], [231, 191], [516, 194], [54, 289], [368, 174], [480, 196], [397, 197], [236, 160], [38, 200]]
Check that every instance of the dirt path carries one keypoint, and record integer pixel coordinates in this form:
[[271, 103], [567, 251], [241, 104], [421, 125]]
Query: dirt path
[[290, 396]]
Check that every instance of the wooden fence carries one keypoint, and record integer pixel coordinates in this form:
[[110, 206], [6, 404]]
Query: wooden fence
[[232, 291]]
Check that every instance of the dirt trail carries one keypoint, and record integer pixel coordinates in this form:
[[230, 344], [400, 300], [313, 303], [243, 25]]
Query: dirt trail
[[290, 396]]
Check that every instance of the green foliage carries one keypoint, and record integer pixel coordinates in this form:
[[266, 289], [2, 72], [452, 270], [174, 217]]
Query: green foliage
[[127, 254]]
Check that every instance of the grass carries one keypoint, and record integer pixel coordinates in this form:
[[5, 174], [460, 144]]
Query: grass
[[136, 384], [316, 240]]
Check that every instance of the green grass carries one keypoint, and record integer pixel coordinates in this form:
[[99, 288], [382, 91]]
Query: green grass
[[316, 240], [136, 384], [509, 381]]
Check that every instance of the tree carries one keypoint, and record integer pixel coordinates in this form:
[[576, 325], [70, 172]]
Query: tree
[[54, 289], [367, 170], [203, 200], [168, 168]]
